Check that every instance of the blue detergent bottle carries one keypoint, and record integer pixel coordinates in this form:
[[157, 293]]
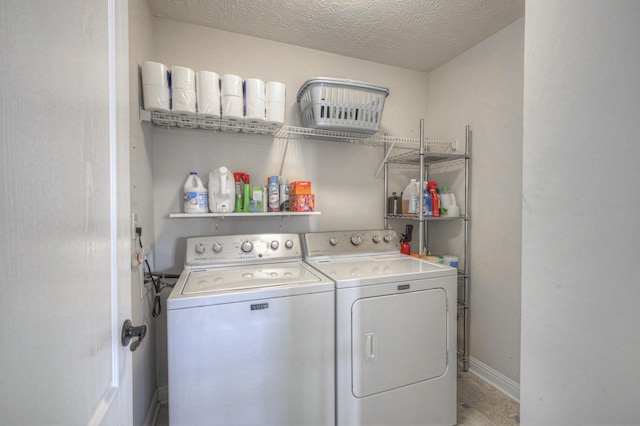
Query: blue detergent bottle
[[428, 204]]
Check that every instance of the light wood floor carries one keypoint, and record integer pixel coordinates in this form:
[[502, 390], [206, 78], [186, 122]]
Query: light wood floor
[[479, 404]]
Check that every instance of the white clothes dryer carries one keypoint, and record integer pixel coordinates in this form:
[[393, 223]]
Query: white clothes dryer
[[395, 329], [250, 331]]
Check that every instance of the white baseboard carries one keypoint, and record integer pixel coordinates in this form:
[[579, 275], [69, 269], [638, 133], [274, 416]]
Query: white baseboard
[[495, 379], [163, 394], [152, 412]]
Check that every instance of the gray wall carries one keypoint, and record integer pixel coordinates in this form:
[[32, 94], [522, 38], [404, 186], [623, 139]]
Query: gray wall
[[483, 88], [580, 251]]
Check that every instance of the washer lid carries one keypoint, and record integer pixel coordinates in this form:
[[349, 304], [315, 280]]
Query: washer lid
[[366, 270], [231, 284], [243, 278]]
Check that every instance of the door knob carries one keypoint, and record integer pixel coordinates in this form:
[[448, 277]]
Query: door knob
[[129, 331]]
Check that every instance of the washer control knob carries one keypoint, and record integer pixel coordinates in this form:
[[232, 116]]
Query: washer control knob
[[356, 240], [200, 248], [275, 244], [333, 241], [217, 248], [387, 238], [288, 244], [247, 246], [376, 239]]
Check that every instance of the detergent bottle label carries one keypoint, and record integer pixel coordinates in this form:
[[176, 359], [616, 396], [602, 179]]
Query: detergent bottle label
[[196, 202], [274, 195], [274, 199], [428, 206], [414, 204]]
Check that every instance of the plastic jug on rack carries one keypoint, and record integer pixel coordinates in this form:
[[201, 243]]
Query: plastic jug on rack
[[448, 205], [411, 198], [221, 191], [444, 200]]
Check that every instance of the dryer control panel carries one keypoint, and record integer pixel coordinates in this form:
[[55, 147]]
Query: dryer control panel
[[349, 243], [223, 250]]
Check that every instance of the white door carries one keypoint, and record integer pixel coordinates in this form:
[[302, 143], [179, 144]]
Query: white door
[[65, 225]]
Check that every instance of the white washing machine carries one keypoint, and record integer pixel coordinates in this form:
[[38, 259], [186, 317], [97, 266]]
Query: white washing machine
[[250, 335], [395, 330]]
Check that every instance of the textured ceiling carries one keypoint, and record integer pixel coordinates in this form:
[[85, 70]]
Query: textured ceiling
[[419, 35]]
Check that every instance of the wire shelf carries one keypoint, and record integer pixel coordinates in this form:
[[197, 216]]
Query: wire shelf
[[433, 155], [163, 119], [291, 132], [170, 120], [429, 218]]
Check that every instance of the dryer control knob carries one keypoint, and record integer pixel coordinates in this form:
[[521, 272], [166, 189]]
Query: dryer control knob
[[200, 248], [247, 246], [376, 238], [275, 244], [288, 244], [387, 238], [333, 241], [217, 247], [356, 240]]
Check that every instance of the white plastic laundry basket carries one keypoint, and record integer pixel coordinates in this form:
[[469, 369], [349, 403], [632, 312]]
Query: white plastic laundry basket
[[342, 105]]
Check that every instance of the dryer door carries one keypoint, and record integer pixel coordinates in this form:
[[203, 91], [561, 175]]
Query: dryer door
[[398, 340]]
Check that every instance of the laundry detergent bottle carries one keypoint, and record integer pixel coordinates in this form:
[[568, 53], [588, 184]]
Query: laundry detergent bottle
[[411, 198], [196, 197], [428, 204]]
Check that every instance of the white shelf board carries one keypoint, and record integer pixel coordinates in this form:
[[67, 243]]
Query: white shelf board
[[232, 214]]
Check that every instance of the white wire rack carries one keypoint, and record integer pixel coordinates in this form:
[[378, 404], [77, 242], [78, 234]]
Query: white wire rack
[[163, 119], [432, 155]]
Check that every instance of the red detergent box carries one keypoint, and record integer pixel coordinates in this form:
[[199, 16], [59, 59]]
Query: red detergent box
[[300, 187], [302, 203]]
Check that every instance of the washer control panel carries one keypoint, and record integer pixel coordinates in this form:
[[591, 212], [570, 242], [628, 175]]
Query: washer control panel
[[237, 249], [345, 243]]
